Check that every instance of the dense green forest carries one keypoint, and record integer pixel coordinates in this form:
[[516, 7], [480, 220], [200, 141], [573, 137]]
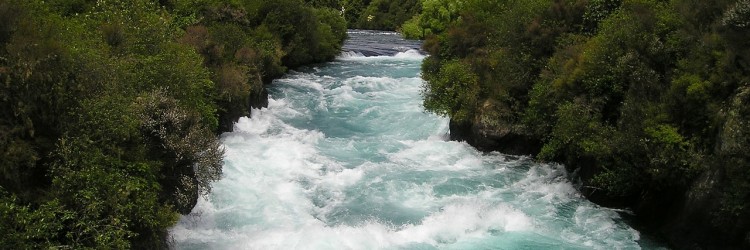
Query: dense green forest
[[109, 109], [647, 100], [373, 14]]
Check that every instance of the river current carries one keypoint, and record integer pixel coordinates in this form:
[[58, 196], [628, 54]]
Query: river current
[[345, 157]]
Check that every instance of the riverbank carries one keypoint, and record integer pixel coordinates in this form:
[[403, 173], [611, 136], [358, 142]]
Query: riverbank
[[110, 110], [645, 106]]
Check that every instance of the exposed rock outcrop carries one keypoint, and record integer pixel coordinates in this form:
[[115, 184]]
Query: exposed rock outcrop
[[714, 212], [227, 118], [491, 130]]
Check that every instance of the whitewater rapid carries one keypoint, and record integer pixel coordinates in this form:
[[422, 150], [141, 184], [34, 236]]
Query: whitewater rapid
[[345, 157]]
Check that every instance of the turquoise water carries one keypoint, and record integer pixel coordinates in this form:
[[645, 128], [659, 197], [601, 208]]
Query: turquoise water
[[345, 157]]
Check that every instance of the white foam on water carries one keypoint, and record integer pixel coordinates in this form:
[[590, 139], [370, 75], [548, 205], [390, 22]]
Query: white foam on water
[[350, 54], [382, 176], [373, 83], [411, 54], [408, 55], [436, 154]]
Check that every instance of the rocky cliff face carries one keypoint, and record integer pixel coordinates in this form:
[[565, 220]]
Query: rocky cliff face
[[491, 130], [256, 99], [714, 212]]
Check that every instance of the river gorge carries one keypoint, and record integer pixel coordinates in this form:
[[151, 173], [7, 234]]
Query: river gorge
[[345, 157]]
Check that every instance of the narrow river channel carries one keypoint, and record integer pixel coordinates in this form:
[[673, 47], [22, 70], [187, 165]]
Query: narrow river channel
[[345, 157]]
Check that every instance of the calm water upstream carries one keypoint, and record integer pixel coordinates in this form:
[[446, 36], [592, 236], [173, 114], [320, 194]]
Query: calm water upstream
[[345, 157]]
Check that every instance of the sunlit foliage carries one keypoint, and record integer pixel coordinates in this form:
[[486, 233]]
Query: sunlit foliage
[[645, 95], [109, 109]]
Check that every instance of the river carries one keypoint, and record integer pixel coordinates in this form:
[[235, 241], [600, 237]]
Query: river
[[345, 157]]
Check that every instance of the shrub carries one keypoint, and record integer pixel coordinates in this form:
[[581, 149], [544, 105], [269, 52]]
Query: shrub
[[191, 154], [452, 91]]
